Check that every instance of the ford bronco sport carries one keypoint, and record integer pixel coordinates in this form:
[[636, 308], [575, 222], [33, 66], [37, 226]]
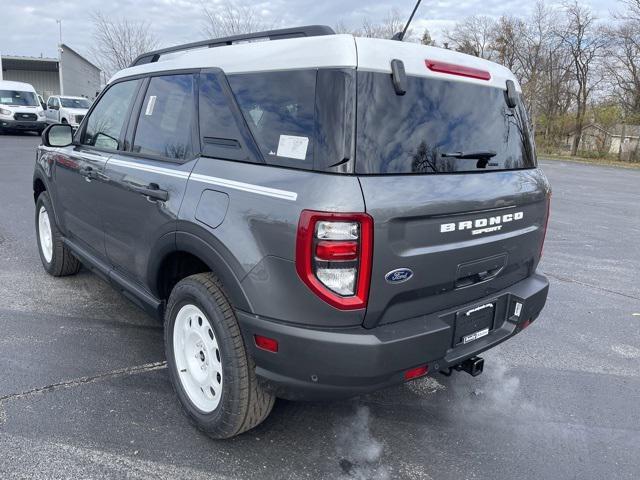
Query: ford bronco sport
[[315, 216]]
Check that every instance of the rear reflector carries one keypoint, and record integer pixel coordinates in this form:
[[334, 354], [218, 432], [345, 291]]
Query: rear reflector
[[266, 343], [416, 372], [460, 70], [332, 251]]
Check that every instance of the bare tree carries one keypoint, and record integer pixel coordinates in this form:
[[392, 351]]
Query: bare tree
[[391, 24], [543, 66], [623, 59], [506, 41], [585, 43], [118, 41], [231, 18], [474, 35]]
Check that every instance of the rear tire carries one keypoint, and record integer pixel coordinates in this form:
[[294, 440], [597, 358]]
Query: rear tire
[[56, 257], [210, 370]]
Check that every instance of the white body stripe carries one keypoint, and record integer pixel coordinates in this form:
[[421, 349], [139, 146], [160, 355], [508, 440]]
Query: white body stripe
[[150, 168], [246, 187], [221, 182]]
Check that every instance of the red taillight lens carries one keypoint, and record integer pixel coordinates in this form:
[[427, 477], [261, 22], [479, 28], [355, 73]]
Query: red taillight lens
[[333, 256], [266, 343], [460, 70], [416, 372], [335, 250]]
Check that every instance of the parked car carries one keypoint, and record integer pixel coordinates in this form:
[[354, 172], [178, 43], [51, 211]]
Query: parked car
[[315, 216], [64, 109], [20, 108]]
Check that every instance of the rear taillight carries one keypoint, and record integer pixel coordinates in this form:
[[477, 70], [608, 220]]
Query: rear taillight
[[333, 256]]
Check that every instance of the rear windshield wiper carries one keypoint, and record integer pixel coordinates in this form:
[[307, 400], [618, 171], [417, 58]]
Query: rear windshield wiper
[[482, 157]]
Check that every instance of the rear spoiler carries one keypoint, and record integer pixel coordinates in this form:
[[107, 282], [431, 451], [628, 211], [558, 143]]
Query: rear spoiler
[[305, 31]]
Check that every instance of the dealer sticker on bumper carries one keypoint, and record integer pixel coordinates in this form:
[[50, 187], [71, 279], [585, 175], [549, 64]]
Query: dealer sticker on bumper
[[476, 335]]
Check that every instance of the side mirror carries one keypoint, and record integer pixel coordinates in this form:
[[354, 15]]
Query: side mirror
[[43, 105], [58, 135]]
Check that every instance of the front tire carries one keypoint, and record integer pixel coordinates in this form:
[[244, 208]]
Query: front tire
[[56, 257], [210, 370]]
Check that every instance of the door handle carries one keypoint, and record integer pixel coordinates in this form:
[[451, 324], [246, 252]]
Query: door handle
[[152, 191]]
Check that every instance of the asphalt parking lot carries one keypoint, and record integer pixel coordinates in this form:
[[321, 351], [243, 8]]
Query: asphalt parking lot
[[84, 392]]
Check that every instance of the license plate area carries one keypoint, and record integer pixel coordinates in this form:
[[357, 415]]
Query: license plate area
[[474, 323]]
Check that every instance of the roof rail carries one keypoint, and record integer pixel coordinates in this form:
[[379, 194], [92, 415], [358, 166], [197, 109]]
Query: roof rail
[[305, 31]]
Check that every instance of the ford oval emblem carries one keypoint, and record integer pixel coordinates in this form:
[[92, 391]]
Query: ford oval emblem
[[399, 275]]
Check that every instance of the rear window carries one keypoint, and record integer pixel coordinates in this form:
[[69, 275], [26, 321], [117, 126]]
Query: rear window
[[438, 126]]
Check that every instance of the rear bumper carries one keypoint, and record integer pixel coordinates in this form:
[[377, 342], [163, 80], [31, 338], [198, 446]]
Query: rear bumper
[[23, 125], [315, 364]]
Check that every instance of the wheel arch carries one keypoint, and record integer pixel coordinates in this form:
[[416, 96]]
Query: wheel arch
[[189, 253], [39, 186]]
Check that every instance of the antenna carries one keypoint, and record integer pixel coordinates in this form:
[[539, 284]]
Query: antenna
[[400, 35]]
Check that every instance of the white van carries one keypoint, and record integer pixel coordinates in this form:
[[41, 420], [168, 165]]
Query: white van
[[20, 108]]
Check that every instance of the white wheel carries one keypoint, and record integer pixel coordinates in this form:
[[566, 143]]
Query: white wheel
[[197, 358], [44, 234]]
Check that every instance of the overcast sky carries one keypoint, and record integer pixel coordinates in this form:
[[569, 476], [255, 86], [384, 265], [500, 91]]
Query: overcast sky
[[28, 27]]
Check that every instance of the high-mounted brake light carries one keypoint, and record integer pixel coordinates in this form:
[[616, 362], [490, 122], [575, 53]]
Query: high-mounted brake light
[[333, 256], [460, 70]]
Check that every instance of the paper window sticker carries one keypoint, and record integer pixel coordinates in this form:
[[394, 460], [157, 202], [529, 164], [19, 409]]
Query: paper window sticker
[[291, 146], [151, 105]]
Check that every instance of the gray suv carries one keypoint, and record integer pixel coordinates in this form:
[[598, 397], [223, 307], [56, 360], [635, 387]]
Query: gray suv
[[313, 215]]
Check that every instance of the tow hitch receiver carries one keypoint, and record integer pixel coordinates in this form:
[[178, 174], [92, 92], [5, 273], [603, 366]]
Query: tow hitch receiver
[[473, 366]]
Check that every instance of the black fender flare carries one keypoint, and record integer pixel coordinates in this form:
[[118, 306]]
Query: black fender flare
[[200, 243]]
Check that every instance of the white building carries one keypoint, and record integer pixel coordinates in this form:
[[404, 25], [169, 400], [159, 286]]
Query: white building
[[71, 74]]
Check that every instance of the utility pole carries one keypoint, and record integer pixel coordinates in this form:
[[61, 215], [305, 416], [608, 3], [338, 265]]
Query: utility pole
[[59, 22]]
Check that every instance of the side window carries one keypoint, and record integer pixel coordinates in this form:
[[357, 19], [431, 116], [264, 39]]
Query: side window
[[50, 102], [280, 110], [220, 135], [105, 124], [165, 124]]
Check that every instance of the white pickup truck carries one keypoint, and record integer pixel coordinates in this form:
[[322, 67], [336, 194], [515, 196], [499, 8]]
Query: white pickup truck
[[64, 109]]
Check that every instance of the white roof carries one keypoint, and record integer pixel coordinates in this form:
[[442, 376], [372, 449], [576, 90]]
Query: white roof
[[18, 86], [326, 51]]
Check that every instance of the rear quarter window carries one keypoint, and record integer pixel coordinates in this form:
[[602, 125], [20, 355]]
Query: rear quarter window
[[279, 108]]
